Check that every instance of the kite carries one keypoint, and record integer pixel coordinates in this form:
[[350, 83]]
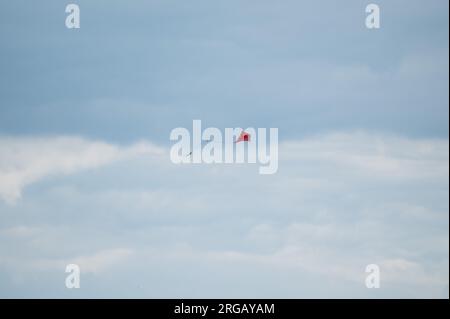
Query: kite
[[244, 137]]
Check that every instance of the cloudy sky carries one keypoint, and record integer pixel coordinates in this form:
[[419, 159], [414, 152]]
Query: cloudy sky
[[86, 178]]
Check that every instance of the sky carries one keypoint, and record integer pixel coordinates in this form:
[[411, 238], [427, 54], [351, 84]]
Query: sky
[[86, 177]]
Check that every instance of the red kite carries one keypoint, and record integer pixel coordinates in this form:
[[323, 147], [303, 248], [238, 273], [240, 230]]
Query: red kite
[[244, 137]]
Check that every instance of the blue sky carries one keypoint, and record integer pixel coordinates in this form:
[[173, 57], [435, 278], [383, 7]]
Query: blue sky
[[85, 176]]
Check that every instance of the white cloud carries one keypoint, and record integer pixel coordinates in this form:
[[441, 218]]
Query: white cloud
[[374, 155], [338, 202], [20, 231], [101, 260], [26, 160], [95, 263]]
